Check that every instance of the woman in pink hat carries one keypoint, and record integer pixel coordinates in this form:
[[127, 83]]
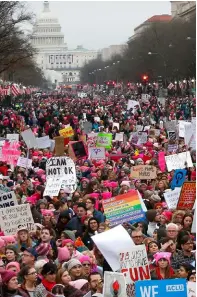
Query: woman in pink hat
[[163, 269]]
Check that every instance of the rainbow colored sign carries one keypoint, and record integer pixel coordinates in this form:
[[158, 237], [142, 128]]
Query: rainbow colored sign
[[123, 208]]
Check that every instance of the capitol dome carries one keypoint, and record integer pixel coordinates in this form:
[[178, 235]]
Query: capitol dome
[[46, 16]]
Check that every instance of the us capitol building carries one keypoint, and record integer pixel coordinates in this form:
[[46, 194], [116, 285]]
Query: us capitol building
[[58, 63]]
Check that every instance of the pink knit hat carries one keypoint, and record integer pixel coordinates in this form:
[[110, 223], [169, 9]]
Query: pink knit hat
[[43, 249], [46, 212], [63, 254], [6, 275], [13, 264], [65, 241], [2, 243], [78, 284], [106, 195], [9, 239], [85, 259], [162, 255], [167, 214]]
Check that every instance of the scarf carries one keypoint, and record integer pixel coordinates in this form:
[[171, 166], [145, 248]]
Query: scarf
[[48, 285], [157, 270]]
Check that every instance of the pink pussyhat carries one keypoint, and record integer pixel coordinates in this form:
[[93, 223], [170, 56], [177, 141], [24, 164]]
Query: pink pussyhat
[[162, 255], [46, 212], [106, 195]]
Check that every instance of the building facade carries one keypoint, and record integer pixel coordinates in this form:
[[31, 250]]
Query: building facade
[[108, 52], [183, 9], [59, 64]]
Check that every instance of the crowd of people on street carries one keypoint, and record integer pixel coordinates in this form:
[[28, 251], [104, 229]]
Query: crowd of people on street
[[58, 256]]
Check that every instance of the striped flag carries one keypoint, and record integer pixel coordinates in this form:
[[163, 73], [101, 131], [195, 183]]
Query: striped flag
[[6, 91], [170, 86], [15, 90]]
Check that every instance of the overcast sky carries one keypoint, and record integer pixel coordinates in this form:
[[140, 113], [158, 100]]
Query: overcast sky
[[98, 24]]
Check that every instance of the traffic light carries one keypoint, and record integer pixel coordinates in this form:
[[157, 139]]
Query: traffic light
[[145, 78], [128, 85]]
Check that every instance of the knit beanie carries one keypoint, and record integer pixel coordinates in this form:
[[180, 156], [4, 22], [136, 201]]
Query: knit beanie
[[6, 275], [43, 249], [65, 241], [2, 243], [85, 259], [78, 284], [63, 254], [13, 264], [167, 214], [151, 214], [72, 263]]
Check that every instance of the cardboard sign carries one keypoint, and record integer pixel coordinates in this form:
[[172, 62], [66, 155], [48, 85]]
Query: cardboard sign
[[188, 196], [134, 266], [123, 208], [178, 161], [104, 140], [110, 245], [14, 217], [166, 287], [62, 167], [119, 137], [8, 199], [10, 153], [133, 104], [143, 172], [97, 153], [59, 145], [43, 142], [178, 178], [172, 135], [12, 137], [53, 187], [87, 126], [172, 198], [109, 279], [29, 138], [24, 162], [66, 132]]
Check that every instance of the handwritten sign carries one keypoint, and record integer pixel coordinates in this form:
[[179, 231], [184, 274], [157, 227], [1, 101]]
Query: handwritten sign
[[53, 187], [143, 172], [119, 136], [178, 161], [135, 266], [66, 132], [8, 199], [172, 135], [178, 178], [97, 153], [24, 162], [13, 137], [104, 140], [29, 138], [133, 104], [188, 196], [91, 140], [109, 279], [62, 167], [43, 142], [123, 208], [14, 217], [172, 198]]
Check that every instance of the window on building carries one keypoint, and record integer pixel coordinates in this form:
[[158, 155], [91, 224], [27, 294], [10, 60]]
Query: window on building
[[69, 62]]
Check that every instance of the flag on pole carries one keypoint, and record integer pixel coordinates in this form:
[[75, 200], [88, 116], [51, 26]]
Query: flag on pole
[[15, 90]]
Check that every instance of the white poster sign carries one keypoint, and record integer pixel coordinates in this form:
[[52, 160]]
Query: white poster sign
[[142, 138], [145, 98], [178, 161], [24, 162], [111, 245], [172, 198], [97, 153], [13, 137], [53, 187], [62, 167], [29, 138], [193, 230], [117, 125], [43, 142], [119, 137], [109, 279], [14, 217], [8, 199], [133, 104]]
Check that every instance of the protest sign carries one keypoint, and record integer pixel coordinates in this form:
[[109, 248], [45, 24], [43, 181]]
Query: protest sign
[[14, 217], [190, 135], [119, 136], [89, 294], [114, 282], [123, 208], [170, 125], [133, 104], [145, 98], [139, 128], [66, 132], [142, 138], [191, 289], [24, 162], [77, 150], [4, 189], [12, 137], [43, 142], [172, 147], [119, 243], [172, 198], [97, 119], [87, 126], [161, 161], [187, 196], [117, 125], [8, 199], [53, 187], [193, 230], [172, 135], [178, 161], [29, 138], [62, 167], [178, 178], [52, 145], [166, 287], [91, 140], [143, 172], [104, 140], [162, 101], [135, 266], [97, 153], [10, 152], [59, 145]]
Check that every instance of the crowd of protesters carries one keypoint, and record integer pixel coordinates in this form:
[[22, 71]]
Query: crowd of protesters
[[60, 257]]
